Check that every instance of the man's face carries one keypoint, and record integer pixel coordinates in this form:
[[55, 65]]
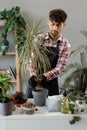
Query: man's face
[[55, 28]]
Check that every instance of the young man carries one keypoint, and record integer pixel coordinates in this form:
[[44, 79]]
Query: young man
[[60, 47]]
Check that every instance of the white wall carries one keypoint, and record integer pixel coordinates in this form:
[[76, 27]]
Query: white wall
[[76, 10]]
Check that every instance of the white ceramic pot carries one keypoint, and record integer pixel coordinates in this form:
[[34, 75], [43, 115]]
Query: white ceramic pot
[[81, 106]]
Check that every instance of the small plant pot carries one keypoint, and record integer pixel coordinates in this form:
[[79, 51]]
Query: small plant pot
[[6, 108], [28, 111], [28, 108], [40, 96]]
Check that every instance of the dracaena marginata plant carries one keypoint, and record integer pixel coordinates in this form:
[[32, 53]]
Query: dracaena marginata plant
[[36, 47]]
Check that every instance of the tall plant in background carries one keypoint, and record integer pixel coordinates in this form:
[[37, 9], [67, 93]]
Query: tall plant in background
[[75, 83], [13, 18]]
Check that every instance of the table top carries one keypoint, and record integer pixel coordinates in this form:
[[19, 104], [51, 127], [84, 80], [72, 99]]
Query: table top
[[40, 112]]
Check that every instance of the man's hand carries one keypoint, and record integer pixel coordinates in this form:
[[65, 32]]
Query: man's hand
[[43, 80], [33, 81]]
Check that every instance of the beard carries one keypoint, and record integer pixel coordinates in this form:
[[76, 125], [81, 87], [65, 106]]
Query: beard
[[54, 34]]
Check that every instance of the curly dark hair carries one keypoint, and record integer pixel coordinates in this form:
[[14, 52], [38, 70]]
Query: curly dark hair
[[57, 15]]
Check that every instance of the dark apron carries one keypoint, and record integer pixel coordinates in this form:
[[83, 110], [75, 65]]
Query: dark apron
[[51, 85]]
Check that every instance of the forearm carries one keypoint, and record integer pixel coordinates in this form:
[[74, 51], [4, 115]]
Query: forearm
[[60, 66], [55, 72]]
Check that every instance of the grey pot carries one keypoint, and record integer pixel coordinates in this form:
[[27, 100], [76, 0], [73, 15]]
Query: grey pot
[[40, 96], [6, 108]]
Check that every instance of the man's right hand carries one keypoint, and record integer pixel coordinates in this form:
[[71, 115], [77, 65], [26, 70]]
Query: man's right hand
[[43, 80], [33, 81]]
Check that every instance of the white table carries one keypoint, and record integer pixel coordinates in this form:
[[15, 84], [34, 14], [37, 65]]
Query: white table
[[41, 120]]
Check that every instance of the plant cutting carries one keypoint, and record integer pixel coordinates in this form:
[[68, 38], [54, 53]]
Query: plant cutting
[[5, 99]]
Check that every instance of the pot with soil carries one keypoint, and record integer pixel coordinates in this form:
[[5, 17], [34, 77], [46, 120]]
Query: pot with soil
[[40, 93], [28, 108], [6, 108]]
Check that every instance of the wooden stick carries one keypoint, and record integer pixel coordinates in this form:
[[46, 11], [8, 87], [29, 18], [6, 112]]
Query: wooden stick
[[17, 71]]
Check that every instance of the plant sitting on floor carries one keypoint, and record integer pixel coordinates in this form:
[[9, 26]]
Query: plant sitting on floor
[[5, 85], [13, 18]]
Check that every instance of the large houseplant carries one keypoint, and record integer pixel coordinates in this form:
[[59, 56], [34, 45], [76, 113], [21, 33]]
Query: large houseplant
[[75, 83], [35, 44], [5, 99]]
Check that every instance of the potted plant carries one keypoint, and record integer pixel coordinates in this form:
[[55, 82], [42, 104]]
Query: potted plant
[[39, 93], [5, 99], [35, 46], [27, 44]]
